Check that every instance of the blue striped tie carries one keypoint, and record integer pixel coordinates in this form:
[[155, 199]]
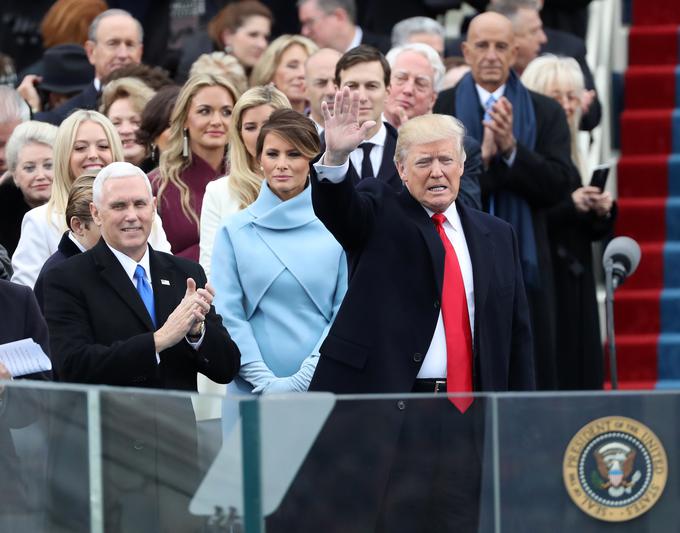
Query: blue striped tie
[[144, 290]]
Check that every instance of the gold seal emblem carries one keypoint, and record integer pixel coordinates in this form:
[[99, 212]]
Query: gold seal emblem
[[615, 469]]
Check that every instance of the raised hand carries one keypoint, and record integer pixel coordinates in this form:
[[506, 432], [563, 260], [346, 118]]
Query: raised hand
[[342, 130], [501, 125]]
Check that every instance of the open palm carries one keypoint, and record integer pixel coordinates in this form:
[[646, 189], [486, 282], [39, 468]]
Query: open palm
[[342, 130]]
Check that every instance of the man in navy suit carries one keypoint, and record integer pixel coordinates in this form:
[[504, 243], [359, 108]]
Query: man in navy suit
[[394, 333], [123, 314], [114, 40]]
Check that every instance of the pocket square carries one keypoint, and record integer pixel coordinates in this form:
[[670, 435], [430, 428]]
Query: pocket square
[[165, 282]]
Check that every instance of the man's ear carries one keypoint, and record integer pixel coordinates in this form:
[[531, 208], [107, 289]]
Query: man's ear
[[89, 50], [401, 170], [95, 214]]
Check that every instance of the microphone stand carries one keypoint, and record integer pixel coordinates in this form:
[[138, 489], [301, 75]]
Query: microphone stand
[[609, 305]]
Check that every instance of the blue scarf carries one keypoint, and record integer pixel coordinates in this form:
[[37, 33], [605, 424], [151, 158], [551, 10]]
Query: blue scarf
[[507, 205]]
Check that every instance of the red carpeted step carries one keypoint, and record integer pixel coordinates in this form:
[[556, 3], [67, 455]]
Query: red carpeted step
[[637, 311], [642, 175], [646, 132], [653, 45], [650, 273], [650, 87], [643, 219], [636, 360], [647, 13]]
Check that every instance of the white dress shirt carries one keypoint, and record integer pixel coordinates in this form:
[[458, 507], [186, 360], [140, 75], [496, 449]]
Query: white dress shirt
[[75, 241], [434, 364], [130, 265], [356, 40], [357, 155]]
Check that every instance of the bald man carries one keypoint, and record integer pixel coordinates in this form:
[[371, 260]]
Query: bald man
[[526, 154], [320, 82]]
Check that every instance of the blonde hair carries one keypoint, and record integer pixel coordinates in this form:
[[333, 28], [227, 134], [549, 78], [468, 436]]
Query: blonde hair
[[264, 70], [244, 180], [172, 163], [427, 129], [221, 64], [138, 92], [549, 71], [63, 146]]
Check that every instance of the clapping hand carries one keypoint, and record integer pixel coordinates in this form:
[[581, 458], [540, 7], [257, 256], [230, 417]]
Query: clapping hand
[[342, 130]]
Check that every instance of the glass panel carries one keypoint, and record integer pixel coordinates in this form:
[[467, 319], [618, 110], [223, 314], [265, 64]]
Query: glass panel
[[44, 474], [582, 461]]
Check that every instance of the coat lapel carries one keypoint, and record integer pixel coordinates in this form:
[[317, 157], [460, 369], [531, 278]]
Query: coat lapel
[[434, 244], [113, 273], [388, 169], [481, 251], [167, 284]]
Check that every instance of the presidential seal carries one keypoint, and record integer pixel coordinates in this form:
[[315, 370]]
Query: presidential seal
[[615, 469]]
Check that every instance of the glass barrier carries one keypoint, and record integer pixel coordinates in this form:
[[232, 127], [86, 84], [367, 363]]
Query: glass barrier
[[103, 459]]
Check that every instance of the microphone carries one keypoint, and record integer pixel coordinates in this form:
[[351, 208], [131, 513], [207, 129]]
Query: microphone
[[622, 255]]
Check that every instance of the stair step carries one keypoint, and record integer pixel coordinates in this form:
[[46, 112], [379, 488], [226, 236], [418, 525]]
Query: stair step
[[636, 357], [668, 384], [645, 175], [669, 356], [650, 272], [637, 311], [659, 12], [653, 45], [651, 87], [646, 132], [643, 219]]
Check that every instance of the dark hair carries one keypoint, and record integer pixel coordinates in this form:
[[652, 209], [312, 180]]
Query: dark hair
[[232, 16], [155, 118], [362, 54], [155, 77], [293, 127]]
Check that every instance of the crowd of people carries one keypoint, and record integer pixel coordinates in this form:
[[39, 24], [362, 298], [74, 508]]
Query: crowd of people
[[335, 210]]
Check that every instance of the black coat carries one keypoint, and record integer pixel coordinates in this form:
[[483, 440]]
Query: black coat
[[541, 176], [580, 357], [101, 333], [88, 98], [65, 249], [13, 207], [383, 329], [19, 407]]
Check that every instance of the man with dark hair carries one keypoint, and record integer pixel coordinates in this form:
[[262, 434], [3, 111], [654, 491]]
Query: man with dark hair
[[526, 153], [332, 24]]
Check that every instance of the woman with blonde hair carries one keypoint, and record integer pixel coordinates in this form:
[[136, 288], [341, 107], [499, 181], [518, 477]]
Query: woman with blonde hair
[[195, 156], [221, 63], [585, 217], [123, 101], [240, 188], [283, 64], [86, 141]]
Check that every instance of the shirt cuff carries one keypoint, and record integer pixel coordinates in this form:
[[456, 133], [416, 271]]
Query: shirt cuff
[[196, 345], [332, 174], [511, 158]]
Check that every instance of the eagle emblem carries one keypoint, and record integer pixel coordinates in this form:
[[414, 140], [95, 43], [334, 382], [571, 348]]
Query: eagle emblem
[[615, 464]]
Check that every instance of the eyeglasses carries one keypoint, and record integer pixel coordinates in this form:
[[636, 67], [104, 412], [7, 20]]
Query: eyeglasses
[[421, 83]]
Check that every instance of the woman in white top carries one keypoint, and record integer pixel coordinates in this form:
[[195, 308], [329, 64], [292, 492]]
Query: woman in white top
[[86, 142], [227, 195]]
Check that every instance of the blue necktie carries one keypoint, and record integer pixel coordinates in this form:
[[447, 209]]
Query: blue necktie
[[489, 103], [144, 290]]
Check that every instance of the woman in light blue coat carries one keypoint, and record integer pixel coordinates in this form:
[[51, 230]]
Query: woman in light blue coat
[[279, 275]]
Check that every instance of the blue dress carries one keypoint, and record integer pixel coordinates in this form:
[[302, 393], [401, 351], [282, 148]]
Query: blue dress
[[279, 277]]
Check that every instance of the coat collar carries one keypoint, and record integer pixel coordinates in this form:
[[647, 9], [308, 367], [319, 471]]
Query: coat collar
[[268, 211], [164, 280]]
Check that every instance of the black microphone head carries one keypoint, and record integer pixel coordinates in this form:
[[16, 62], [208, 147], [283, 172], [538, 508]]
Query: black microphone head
[[624, 253]]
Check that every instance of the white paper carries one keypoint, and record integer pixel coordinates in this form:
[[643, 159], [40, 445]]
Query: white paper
[[24, 357]]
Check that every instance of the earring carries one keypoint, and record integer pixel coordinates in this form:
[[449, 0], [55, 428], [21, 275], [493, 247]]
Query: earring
[[185, 143], [228, 49], [154, 153]]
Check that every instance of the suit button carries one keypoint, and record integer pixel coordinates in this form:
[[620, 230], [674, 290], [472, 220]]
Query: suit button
[[138, 445], [436, 304], [417, 357], [401, 405]]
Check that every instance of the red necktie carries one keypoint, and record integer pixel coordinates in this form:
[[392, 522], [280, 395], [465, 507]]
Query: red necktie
[[456, 324]]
